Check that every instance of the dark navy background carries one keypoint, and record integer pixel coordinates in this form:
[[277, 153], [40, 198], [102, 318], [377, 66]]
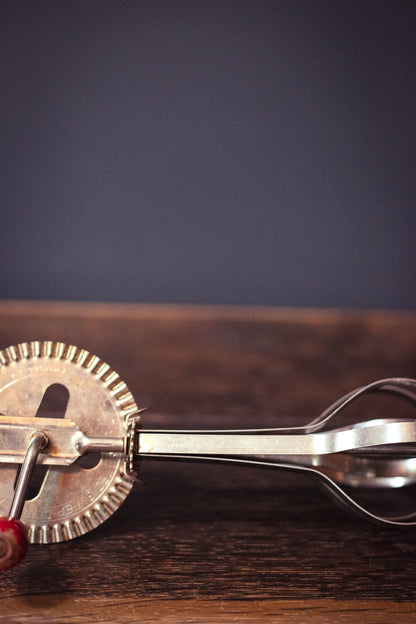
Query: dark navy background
[[256, 152]]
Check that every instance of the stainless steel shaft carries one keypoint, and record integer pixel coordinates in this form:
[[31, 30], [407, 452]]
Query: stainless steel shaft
[[364, 435]]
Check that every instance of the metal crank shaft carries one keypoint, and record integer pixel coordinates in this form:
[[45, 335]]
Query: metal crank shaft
[[67, 443]]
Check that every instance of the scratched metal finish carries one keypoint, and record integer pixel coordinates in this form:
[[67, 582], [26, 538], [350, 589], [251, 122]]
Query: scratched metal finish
[[71, 500]]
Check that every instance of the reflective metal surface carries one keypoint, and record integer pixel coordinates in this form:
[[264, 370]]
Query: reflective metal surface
[[71, 499], [101, 421], [365, 435]]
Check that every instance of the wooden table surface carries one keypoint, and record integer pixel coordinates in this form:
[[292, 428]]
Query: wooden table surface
[[208, 543]]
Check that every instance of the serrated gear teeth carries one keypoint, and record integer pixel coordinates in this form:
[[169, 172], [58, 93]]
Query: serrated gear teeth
[[77, 499]]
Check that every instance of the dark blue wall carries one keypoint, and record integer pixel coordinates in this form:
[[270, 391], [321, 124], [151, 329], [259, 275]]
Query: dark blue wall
[[209, 151]]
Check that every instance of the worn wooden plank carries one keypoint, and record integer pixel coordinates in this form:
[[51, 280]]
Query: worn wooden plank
[[194, 537], [55, 609]]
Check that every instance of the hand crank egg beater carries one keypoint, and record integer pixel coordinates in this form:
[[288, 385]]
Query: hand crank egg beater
[[85, 462]]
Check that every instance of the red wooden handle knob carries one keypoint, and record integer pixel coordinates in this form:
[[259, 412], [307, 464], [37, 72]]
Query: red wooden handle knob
[[13, 542]]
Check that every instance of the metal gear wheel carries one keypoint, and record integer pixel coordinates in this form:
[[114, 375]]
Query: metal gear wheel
[[71, 500]]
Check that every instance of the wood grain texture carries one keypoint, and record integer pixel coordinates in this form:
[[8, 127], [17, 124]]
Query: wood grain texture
[[55, 609], [207, 543]]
